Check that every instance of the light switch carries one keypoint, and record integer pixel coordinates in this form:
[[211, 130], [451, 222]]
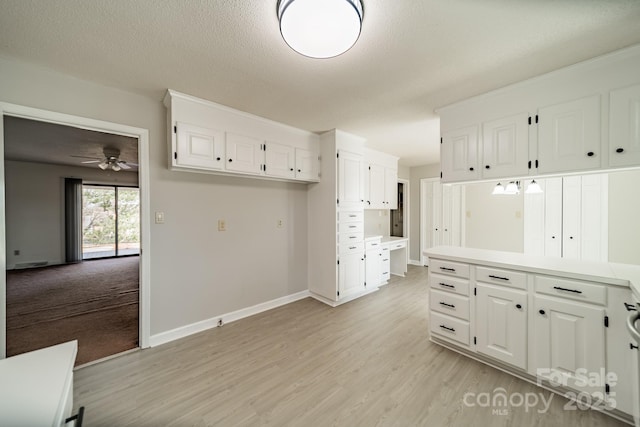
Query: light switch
[[279, 223], [159, 217], [222, 225]]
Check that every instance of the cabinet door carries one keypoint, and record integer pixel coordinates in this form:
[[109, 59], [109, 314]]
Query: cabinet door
[[373, 268], [624, 127], [244, 154], [377, 188], [571, 189], [569, 342], [351, 274], [436, 212], [553, 217], [391, 188], [199, 147], [505, 147], [278, 160], [307, 165], [534, 229], [459, 155], [501, 324], [350, 180], [569, 136], [594, 218]]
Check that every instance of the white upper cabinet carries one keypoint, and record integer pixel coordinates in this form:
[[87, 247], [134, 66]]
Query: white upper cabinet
[[376, 199], [206, 137], [199, 147], [391, 188], [307, 165], [279, 160], [244, 154], [624, 127], [459, 154], [569, 136], [505, 145], [350, 180]]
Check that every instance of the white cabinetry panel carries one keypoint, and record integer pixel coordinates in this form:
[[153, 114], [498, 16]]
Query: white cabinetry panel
[[199, 147], [501, 326], [569, 338], [351, 272], [244, 154], [505, 147], [279, 160], [391, 188], [624, 127], [306, 165], [569, 136], [459, 154], [350, 182]]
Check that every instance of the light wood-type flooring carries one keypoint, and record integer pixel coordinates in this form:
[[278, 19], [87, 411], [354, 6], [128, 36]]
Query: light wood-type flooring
[[365, 363]]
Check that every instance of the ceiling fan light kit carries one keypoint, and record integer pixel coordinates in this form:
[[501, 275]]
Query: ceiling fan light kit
[[111, 160], [320, 28]]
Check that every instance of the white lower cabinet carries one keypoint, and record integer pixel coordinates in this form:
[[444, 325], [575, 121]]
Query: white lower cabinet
[[373, 264], [501, 324], [569, 342], [550, 327], [351, 274]]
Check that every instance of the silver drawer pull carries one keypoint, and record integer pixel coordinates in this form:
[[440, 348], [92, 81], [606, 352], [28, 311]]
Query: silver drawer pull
[[353, 237], [447, 328], [352, 226], [374, 244], [353, 216], [386, 272], [498, 277], [447, 285], [352, 247], [448, 269], [575, 291], [386, 259], [398, 246], [447, 305]]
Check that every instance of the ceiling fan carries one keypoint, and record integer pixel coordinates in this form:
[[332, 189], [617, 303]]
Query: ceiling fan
[[111, 160]]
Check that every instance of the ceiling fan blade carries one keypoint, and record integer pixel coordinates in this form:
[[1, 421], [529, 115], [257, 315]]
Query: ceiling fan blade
[[124, 165], [91, 161], [85, 157]]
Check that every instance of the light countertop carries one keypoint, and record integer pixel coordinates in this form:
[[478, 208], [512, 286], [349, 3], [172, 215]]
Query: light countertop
[[626, 275], [388, 239]]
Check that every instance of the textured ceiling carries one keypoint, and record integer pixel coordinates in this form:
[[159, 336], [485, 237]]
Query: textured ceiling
[[412, 56]]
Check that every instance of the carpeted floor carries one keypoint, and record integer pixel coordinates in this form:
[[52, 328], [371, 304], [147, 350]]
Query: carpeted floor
[[95, 302]]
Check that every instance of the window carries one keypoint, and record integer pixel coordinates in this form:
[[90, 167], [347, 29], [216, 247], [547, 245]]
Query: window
[[110, 221]]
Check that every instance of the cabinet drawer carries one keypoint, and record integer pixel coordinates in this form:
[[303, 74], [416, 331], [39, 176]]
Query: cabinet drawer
[[514, 279], [450, 268], [350, 248], [372, 245], [350, 216], [386, 274], [351, 227], [345, 238], [449, 327], [396, 245], [572, 289], [450, 284], [448, 303]]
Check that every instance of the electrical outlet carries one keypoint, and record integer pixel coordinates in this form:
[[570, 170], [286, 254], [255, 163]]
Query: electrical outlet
[[159, 217], [518, 214], [279, 223], [222, 225], [16, 252]]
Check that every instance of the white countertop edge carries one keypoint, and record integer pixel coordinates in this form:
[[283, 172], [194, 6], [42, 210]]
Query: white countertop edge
[[626, 275], [393, 239]]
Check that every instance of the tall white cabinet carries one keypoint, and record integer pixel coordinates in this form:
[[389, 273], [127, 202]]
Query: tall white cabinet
[[569, 219]]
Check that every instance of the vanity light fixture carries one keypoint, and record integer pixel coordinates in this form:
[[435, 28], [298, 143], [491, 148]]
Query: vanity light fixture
[[533, 188], [320, 28], [498, 189], [512, 188]]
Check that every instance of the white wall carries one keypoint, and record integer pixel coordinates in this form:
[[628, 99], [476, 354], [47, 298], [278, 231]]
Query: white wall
[[493, 222], [196, 272], [415, 175], [377, 221], [624, 217], [34, 198]]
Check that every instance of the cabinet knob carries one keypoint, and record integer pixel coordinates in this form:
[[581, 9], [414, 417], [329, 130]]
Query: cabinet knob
[[292, 170], [619, 150], [230, 160], [218, 159], [553, 237], [519, 306], [542, 312], [571, 237], [591, 154], [471, 169], [487, 167], [299, 170]]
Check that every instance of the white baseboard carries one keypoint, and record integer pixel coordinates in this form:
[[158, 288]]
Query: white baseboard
[[203, 325], [344, 300], [415, 262]]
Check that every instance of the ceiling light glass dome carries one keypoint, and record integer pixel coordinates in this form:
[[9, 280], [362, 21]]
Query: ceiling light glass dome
[[320, 28]]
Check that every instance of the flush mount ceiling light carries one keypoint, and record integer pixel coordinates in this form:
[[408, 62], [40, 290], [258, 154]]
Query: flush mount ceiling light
[[320, 28]]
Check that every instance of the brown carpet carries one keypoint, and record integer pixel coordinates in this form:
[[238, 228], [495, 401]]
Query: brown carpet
[[95, 302]]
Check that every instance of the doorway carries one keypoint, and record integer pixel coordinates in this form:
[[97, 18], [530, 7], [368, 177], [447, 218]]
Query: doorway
[[10, 111]]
